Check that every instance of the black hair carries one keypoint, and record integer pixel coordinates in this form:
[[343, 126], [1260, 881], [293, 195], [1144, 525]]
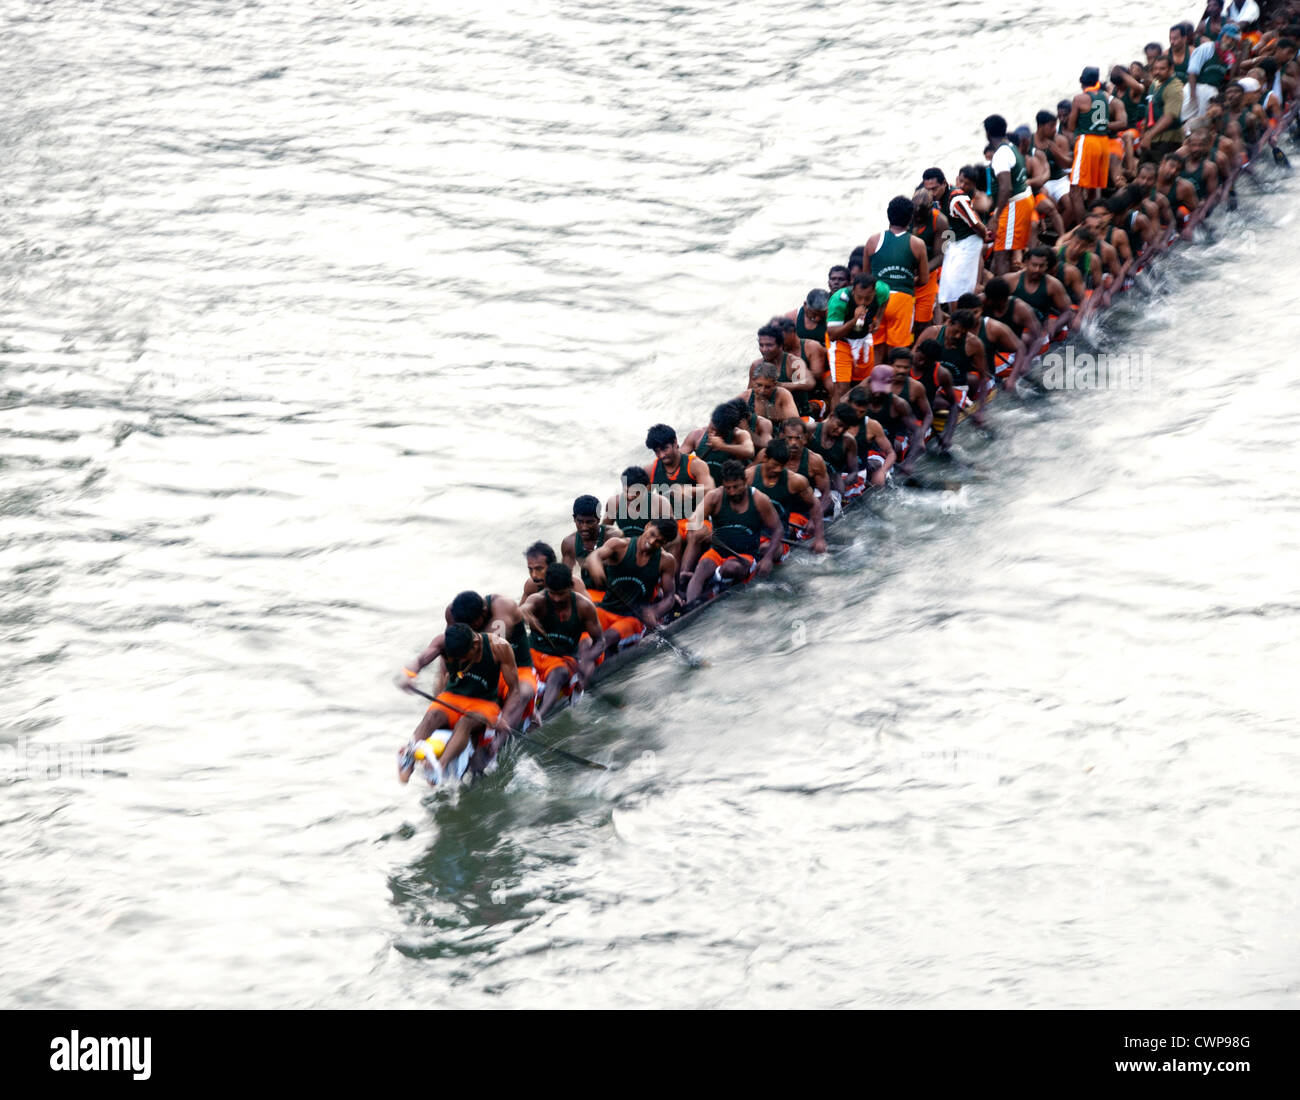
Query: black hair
[[457, 640], [542, 550], [1043, 118], [558, 577], [931, 349], [779, 451], [855, 257], [969, 301], [733, 470], [900, 210], [996, 290], [837, 267], [660, 436], [899, 354], [995, 126], [847, 414], [726, 417], [860, 395], [586, 505], [1090, 75], [467, 607], [667, 528], [1041, 251], [865, 279], [934, 174], [635, 475], [964, 318], [770, 331], [784, 324]]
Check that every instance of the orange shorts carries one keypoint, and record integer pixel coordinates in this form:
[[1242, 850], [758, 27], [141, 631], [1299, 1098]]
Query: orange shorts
[[546, 663], [715, 559], [1013, 225], [926, 297], [682, 534], [629, 627], [899, 313], [1091, 160], [850, 359], [595, 595], [460, 705]]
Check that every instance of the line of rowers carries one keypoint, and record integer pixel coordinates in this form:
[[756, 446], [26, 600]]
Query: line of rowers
[[925, 319]]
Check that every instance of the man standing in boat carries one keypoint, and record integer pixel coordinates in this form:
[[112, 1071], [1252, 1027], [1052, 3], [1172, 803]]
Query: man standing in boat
[[1093, 118], [849, 320], [899, 260], [1013, 207], [738, 515], [558, 617], [963, 257]]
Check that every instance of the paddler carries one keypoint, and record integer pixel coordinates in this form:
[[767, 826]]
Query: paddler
[[1043, 293], [791, 494], [768, 403], [898, 259], [633, 506], [739, 515], [919, 411], [887, 428], [558, 617], [834, 440], [589, 534], [812, 401], [939, 389], [804, 462], [963, 355], [721, 439], [537, 557], [639, 580], [475, 664], [792, 373], [501, 616], [683, 479]]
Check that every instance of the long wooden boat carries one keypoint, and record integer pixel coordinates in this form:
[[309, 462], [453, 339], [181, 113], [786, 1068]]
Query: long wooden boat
[[1063, 328]]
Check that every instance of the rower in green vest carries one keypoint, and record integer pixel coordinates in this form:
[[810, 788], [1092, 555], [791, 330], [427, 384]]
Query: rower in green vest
[[588, 535], [739, 515]]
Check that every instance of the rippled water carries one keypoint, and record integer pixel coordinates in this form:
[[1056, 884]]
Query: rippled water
[[314, 317]]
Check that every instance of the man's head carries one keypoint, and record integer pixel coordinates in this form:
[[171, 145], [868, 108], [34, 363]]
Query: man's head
[[469, 608], [1177, 37], [775, 457], [837, 278], [815, 305], [1097, 216], [935, 183], [764, 383], [1152, 51], [970, 177], [538, 557], [1162, 67], [1090, 77], [1170, 165], [1046, 122], [840, 421], [1146, 176], [1037, 261], [461, 643], [725, 419], [962, 323], [634, 475], [769, 343], [795, 435], [900, 212], [972, 303], [662, 440], [881, 380], [900, 362], [996, 295], [733, 480], [995, 128], [658, 532], [926, 354], [559, 583], [586, 518]]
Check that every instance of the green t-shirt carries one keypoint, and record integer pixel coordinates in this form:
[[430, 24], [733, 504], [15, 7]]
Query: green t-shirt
[[841, 306]]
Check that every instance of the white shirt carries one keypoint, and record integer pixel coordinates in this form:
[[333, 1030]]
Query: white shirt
[[1004, 160], [1241, 11], [1199, 57]]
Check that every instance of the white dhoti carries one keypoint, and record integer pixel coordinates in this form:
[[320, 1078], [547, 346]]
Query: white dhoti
[[962, 261], [1204, 93], [1057, 189]]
